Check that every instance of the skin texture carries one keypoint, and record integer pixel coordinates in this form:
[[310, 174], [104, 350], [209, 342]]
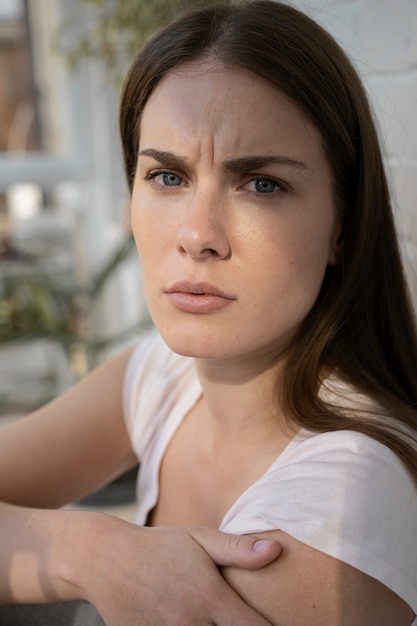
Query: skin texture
[[233, 190]]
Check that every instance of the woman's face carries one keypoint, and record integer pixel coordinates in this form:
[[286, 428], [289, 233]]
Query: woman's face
[[232, 213]]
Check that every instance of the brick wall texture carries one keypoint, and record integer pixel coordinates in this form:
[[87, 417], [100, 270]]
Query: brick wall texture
[[380, 36]]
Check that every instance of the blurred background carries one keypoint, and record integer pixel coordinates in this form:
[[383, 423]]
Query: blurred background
[[69, 279]]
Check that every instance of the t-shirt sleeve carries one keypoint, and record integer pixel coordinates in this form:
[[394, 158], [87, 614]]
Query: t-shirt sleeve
[[345, 495], [137, 379], [149, 379], [158, 385]]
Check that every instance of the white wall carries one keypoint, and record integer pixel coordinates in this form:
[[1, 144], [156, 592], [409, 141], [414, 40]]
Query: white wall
[[380, 37]]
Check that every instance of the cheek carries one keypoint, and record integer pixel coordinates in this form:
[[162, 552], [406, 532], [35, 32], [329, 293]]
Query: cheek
[[145, 244], [154, 245], [146, 248], [150, 219], [296, 261], [145, 228], [311, 236]]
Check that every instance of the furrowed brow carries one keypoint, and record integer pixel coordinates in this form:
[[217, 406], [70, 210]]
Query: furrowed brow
[[166, 159], [251, 163]]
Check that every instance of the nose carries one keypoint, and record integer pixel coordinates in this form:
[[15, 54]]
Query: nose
[[203, 231]]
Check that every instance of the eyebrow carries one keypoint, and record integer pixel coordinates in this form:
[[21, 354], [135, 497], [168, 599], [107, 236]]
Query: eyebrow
[[167, 159], [246, 164], [239, 164]]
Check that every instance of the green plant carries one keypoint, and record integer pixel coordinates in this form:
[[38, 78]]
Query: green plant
[[35, 303]]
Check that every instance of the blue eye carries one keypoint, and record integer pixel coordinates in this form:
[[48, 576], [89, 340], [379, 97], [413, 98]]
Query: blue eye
[[163, 179], [265, 185], [171, 180]]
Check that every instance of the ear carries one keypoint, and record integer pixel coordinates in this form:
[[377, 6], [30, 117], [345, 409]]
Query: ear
[[336, 244]]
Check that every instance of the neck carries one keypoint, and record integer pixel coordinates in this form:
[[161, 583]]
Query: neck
[[242, 399]]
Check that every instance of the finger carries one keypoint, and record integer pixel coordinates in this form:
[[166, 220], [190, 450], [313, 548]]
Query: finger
[[247, 551]]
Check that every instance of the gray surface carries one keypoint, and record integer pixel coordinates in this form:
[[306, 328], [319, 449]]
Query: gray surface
[[75, 613]]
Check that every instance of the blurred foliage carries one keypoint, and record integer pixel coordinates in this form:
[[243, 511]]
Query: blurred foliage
[[35, 303], [114, 30]]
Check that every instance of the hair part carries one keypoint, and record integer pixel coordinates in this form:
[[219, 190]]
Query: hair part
[[362, 325]]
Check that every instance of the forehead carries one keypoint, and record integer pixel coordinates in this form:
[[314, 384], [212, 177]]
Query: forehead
[[232, 108]]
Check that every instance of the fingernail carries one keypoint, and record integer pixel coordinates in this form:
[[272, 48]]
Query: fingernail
[[261, 545]]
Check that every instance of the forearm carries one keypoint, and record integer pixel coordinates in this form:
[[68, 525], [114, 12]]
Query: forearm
[[41, 552], [132, 575]]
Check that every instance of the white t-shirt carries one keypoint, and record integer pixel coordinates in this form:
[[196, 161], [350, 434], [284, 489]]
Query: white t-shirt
[[342, 493]]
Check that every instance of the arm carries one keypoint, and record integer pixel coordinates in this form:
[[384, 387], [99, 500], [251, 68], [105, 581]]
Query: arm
[[71, 446], [309, 587], [133, 575], [57, 455]]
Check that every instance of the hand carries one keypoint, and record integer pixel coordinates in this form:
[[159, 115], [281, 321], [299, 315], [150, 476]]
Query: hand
[[246, 551], [167, 576]]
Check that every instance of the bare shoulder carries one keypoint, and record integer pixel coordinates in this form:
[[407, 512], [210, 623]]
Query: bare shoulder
[[305, 586], [71, 445]]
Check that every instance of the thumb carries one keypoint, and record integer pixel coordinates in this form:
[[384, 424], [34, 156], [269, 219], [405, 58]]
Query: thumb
[[247, 551]]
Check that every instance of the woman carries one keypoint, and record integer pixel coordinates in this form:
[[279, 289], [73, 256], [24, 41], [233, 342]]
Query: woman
[[278, 397]]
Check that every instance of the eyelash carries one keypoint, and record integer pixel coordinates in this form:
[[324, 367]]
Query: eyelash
[[279, 185]]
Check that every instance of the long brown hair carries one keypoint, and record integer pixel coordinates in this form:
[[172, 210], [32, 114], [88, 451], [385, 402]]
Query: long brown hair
[[361, 326]]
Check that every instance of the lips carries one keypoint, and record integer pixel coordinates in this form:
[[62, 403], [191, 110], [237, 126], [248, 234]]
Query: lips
[[198, 297], [198, 289]]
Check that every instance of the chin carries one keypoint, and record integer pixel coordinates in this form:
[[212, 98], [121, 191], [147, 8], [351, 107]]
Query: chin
[[194, 343], [191, 348]]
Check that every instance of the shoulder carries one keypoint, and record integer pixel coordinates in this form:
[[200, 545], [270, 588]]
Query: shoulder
[[344, 472], [156, 380], [345, 495], [306, 586], [152, 364]]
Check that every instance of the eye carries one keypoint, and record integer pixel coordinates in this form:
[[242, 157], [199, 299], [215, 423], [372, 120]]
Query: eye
[[165, 179], [264, 185], [171, 180]]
